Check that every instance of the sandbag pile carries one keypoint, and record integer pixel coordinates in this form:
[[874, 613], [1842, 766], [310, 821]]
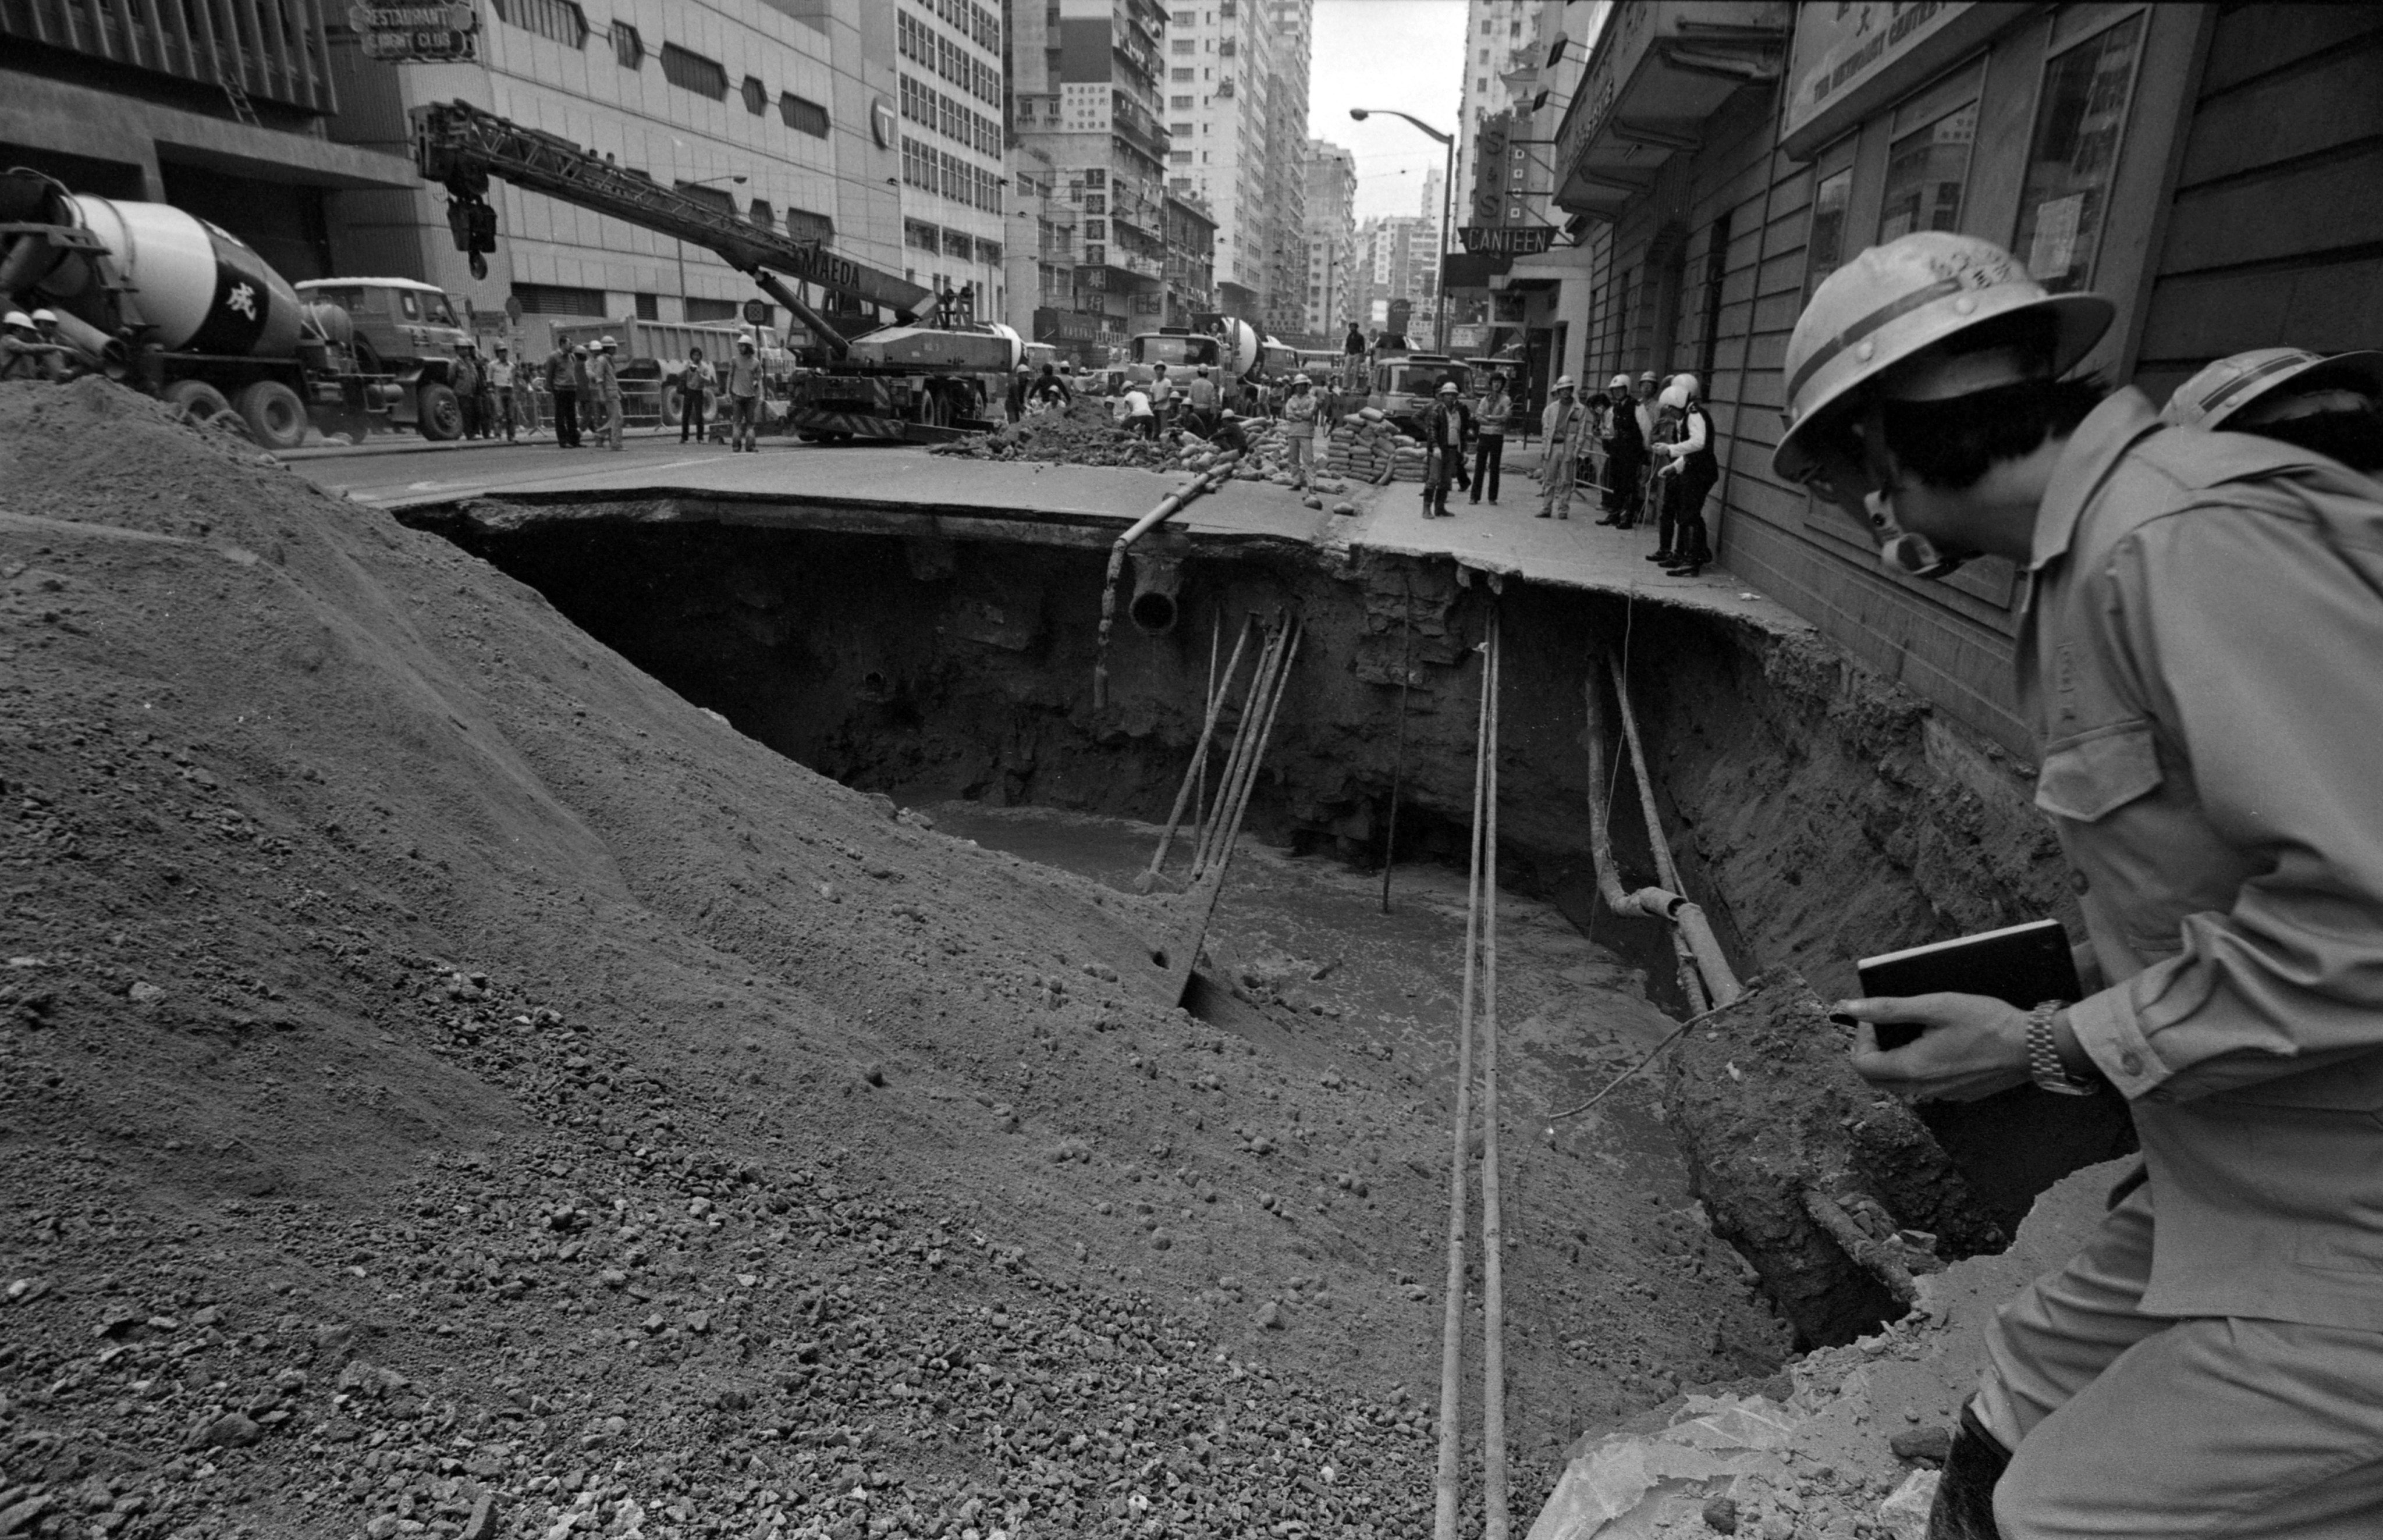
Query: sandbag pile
[[1366, 447], [1268, 456]]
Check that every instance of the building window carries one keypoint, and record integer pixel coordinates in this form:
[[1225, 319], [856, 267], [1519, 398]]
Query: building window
[[757, 95], [989, 252], [700, 312], [627, 46], [1184, 128], [918, 233], [543, 298], [763, 214], [1179, 75], [1181, 157], [1928, 157], [959, 243], [1180, 103], [558, 21], [649, 307], [1826, 249], [1184, 45], [691, 71], [2079, 118], [803, 225], [808, 116]]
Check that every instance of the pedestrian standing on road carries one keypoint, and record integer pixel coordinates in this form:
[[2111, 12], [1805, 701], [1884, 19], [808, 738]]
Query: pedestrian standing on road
[[1298, 419], [1162, 396], [604, 375], [1135, 413], [1692, 474], [1490, 445], [464, 380], [1201, 402], [590, 407], [2197, 633], [744, 397], [1561, 424], [563, 386], [697, 385], [1445, 429], [501, 390], [1625, 454]]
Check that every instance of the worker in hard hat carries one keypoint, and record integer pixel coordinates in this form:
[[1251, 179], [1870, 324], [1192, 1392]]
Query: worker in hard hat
[[2331, 405], [2196, 655], [1691, 469], [1626, 453], [562, 387], [1447, 428], [63, 362], [1564, 425], [604, 379]]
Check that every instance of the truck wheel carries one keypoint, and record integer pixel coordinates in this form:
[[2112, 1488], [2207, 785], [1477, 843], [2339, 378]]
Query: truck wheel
[[276, 417], [195, 401], [436, 413], [672, 410]]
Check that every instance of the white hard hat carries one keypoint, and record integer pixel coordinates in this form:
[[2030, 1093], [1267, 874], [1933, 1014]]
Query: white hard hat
[[1685, 382], [1562, 383], [606, 342], [46, 314], [17, 318], [1894, 301], [2224, 388], [1622, 381], [1448, 387], [1674, 396]]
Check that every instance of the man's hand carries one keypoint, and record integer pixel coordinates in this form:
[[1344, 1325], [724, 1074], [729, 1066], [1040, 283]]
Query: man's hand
[[1971, 1045]]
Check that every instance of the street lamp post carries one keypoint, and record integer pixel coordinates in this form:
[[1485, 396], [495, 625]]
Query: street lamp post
[[1447, 217], [681, 245]]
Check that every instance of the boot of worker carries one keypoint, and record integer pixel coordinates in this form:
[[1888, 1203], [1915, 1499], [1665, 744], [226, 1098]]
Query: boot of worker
[[1964, 1509]]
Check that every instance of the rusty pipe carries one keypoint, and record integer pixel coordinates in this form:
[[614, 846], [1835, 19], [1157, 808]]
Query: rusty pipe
[[1167, 508]]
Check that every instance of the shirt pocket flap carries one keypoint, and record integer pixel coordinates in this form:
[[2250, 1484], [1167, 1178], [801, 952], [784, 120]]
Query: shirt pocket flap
[[2089, 778]]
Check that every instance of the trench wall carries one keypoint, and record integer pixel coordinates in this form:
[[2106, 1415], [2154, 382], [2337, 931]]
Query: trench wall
[[1820, 812]]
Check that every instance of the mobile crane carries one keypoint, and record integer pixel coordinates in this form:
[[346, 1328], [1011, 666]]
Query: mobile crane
[[911, 381]]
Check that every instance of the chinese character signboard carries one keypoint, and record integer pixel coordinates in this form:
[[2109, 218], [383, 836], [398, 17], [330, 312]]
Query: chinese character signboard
[[1489, 167], [418, 35]]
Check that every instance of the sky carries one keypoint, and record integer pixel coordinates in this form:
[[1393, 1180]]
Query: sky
[[1402, 54]]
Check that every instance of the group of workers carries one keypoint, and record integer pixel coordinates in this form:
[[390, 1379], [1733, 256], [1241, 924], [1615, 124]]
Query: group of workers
[[31, 348], [1655, 440], [736, 383]]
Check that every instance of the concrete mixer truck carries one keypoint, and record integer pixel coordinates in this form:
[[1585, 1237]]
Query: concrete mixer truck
[[166, 302]]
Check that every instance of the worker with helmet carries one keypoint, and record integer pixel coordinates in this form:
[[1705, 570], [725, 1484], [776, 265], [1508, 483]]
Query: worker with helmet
[[1563, 423], [1626, 453], [743, 382], [1447, 427], [2331, 405], [1690, 468], [61, 362], [563, 385], [604, 379], [2195, 653]]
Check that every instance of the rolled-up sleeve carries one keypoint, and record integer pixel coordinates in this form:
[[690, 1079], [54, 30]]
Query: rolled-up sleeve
[[2255, 636]]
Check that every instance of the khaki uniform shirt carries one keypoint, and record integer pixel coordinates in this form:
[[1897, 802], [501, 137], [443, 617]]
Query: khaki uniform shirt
[[2201, 655]]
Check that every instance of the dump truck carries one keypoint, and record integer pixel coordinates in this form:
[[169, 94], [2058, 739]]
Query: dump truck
[[163, 301]]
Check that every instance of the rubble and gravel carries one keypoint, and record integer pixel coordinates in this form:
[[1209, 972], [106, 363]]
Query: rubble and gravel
[[450, 1086]]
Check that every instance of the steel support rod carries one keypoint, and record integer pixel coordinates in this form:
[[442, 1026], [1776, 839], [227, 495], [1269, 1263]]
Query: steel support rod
[[1196, 771], [1448, 1477], [1244, 741], [1495, 1517], [1693, 932]]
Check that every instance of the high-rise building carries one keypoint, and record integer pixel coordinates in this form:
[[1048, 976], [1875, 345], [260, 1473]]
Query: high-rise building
[[1395, 256], [950, 68], [1089, 154], [1331, 242], [1236, 94]]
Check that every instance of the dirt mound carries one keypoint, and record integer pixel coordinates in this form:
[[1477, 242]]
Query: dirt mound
[[451, 1085]]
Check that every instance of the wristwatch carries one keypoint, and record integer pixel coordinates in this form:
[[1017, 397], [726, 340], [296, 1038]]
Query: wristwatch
[[2043, 1054]]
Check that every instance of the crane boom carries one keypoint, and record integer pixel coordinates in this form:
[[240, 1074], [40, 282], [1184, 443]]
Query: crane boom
[[463, 146]]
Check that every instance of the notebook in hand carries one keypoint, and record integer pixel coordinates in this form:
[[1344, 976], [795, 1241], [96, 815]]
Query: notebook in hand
[[2024, 965]]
